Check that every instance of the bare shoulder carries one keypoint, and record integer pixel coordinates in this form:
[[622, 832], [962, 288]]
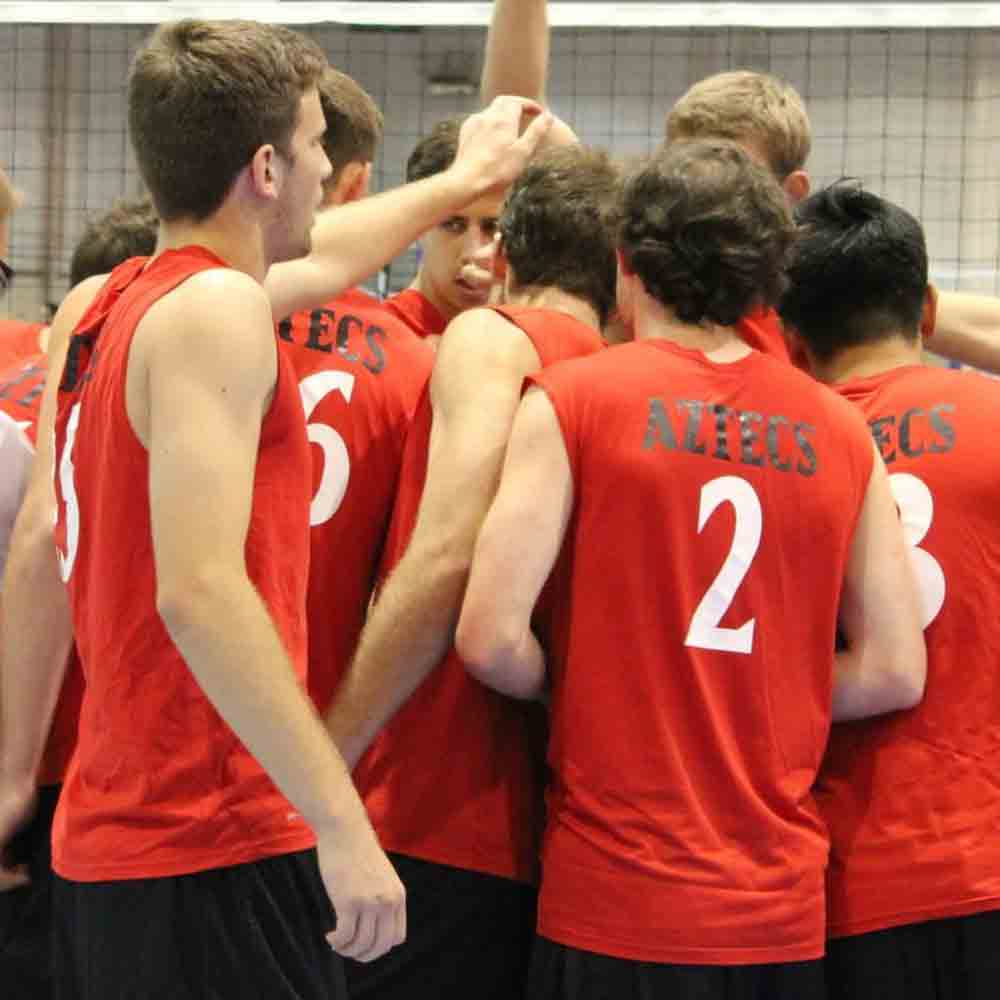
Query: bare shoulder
[[482, 337]]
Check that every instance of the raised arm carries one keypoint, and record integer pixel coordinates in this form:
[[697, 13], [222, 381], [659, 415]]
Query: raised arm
[[353, 242], [967, 329], [884, 667], [517, 50], [475, 388], [9, 200], [209, 384], [515, 553], [37, 632]]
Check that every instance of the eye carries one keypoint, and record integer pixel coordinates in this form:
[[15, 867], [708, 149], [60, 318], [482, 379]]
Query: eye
[[456, 224], [488, 227]]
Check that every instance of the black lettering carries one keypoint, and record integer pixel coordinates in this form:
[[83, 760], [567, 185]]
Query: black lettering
[[25, 374], [77, 356], [694, 408], [722, 415], [285, 329], [344, 335], [658, 427], [905, 443], [32, 394], [772, 444], [946, 430], [317, 327], [748, 436], [372, 335], [882, 439], [808, 453]]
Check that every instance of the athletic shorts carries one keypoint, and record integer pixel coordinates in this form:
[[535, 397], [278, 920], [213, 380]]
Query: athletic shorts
[[955, 959], [26, 914], [559, 972], [250, 932], [468, 937]]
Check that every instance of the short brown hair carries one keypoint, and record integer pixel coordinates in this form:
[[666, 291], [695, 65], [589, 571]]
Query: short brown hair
[[353, 122], [707, 230], [127, 229], [746, 107], [436, 152], [558, 225], [204, 96]]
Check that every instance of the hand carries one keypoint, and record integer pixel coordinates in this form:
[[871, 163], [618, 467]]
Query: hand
[[491, 149], [367, 895], [16, 807]]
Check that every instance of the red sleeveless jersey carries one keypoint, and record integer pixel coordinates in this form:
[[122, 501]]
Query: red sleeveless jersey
[[159, 784], [912, 800], [691, 654], [761, 330], [18, 340], [417, 311], [21, 388], [452, 778], [360, 373]]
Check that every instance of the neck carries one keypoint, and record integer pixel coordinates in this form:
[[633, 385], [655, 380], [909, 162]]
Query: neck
[[558, 301], [654, 321], [238, 242], [869, 359], [422, 285]]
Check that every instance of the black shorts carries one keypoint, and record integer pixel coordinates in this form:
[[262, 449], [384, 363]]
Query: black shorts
[[26, 914], [253, 932], [559, 972], [468, 937], [956, 959]]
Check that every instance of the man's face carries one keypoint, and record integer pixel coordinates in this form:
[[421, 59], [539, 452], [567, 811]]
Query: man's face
[[456, 270], [302, 188]]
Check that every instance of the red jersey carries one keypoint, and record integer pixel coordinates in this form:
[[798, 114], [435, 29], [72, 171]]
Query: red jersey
[[452, 778], [417, 311], [361, 373], [911, 799], [159, 784], [18, 340], [21, 388], [761, 330], [693, 613]]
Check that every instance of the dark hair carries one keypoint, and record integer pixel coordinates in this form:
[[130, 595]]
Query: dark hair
[[707, 230], [557, 225], [127, 229], [204, 96], [436, 152], [353, 122], [858, 271]]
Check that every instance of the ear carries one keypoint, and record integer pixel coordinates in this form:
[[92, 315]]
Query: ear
[[623, 266], [501, 263], [796, 186], [266, 172], [351, 184], [928, 317]]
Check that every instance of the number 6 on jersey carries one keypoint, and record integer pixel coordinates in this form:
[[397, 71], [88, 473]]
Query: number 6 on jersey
[[336, 461]]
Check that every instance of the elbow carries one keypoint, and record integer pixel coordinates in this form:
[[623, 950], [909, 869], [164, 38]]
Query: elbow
[[911, 678], [485, 649], [183, 599]]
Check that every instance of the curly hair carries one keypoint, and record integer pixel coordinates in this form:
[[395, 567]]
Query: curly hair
[[707, 230], [557, 225]]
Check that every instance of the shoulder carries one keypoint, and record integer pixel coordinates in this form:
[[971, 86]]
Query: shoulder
[[483, 337]]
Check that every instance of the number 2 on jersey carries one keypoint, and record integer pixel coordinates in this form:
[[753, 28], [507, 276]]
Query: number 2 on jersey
[[336, 461], [705, 631]]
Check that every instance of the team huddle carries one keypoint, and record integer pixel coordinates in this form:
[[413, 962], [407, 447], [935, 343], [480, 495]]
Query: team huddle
[[608, 614]]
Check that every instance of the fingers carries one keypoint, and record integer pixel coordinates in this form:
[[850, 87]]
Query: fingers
[[534, 134], [342, 935], [14, 878], [508, 105], [369, 933]]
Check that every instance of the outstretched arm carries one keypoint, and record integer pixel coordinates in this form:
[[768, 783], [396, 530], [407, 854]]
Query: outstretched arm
[[517, 50], [967, 329]]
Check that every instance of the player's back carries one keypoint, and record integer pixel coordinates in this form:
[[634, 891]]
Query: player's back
[[361, 373], [691, 660], [912, 800]]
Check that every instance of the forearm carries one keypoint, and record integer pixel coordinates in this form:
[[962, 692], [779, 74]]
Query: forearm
[[226, 636], [967, 329], [37, 635], [863, 686], [517, 50], [409, 632]]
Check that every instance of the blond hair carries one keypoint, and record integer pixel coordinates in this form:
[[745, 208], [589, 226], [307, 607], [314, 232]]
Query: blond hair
[[754, 108]]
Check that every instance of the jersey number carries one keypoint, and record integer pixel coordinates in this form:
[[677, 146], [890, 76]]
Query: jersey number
[[705, 631], [68, 490], [336, 460], [916, 511]]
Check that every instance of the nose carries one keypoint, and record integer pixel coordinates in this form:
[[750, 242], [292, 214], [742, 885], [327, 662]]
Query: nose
[[479, 246]]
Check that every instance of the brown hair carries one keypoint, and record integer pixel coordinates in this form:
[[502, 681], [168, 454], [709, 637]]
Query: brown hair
[[353, 122], [127, 229], [756, 108], [558, 225], [204, 96], [436, 152], [707, 230]]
